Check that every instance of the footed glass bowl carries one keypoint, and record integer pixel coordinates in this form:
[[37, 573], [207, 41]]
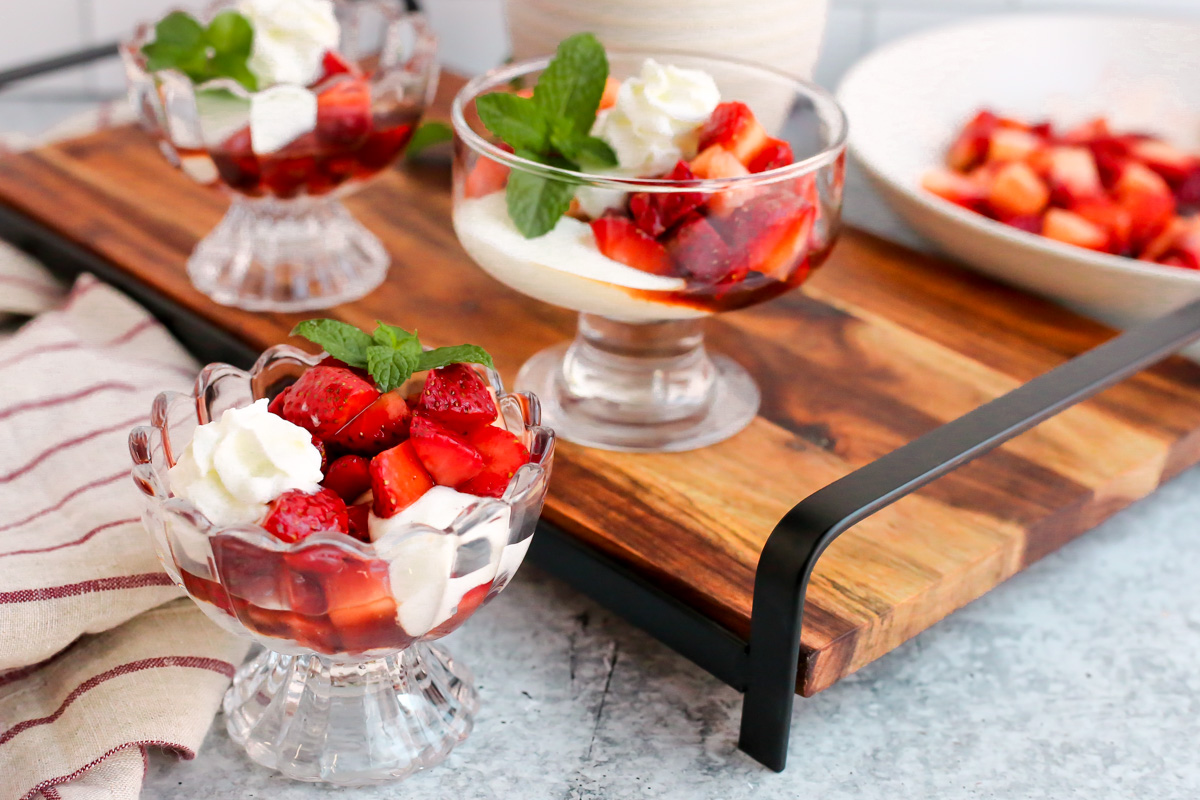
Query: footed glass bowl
[[349, 689], [638, 377], [287, 243]]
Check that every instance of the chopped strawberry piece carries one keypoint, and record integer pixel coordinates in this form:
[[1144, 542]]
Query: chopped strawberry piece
[[486, 176], [733, 126], [295, 515], [486, 484], [449, 458], [377, 427], [334, 63], [958, 189], [324, 399], [360, 521], [502, 452], [1030, 223], [317, 443], [970, 148], [770, 235], [398, 479], [349, 477], [458, 398], [344, 117], [276, 404], [1066, 226], [468, 605], [655, 213], [237, 163], [621, 240], [1009, 144], [1112, 218], [612, 87], [717, 162], [775, 153], [1187, 194], [1172, 164], [1072, 174], [1089, 131], [1111, 154], [1017, 190], [1147, 198], [699, 251]]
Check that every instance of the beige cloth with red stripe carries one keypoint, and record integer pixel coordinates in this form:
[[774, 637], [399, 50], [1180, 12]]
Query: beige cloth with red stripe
[[99, 658]]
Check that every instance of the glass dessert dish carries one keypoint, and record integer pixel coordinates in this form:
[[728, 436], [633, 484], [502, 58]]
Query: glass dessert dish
[[350, 688], [637, 377], [286, 152]]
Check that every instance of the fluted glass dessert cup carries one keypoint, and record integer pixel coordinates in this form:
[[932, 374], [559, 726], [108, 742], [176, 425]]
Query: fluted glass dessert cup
[[287, 243], [637, 376], [350, 688]]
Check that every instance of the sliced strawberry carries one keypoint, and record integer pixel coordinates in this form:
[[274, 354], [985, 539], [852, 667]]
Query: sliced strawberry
[[295, 515], [486, 176], [502, 452], [1069, 227], [468, 605], [237, 164], [458, 398], [621, 240], [377, 427], [1187, 194], [656, 212], [1111, 154], [330, 361], [398, 479], [970, 148], [717, 162], [1016, 189], [1172, 164], [334, 63], [1116, 221], [1088, 132], [733, 126], [360, 521], [324, 399], [699, 251], [449, 458], [486, 484], [344, 118], [349, 477], [1072, 174], [1147, 198], [612, 87], [958, 189], [770, 235], [775, 153], [1009, 144]]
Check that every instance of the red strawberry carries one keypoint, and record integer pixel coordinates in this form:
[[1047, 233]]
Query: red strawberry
[[458, 398], [344, 116], [295, 515], [775, 154], [1016, 190], [486, 176], [502, 452], [377, 427], [770, 235], [349, 477], [623, 241], [237, 163], [486, 484], [330, 361], [1066, 226], [699, 251], [733, 126], [971, 147], [398, 479], [655, 213], [717, 162], [958, 189], [276, 404], [360, 521], [1172, 164], [335, 64], [1148, 199], [1187, 195], [468, 605], [325, 399], [317, 443], [448, 457], [1116, 221]]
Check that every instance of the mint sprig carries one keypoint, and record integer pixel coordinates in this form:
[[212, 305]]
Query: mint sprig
[[427, 135], [390, 355], [220, 50], [553, 127]]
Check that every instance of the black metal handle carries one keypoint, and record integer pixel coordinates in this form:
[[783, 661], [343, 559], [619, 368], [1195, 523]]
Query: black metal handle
[[798, 540], [45, 66]]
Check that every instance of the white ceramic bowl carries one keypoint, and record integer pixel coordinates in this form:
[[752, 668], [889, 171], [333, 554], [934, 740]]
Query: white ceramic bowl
[[908, 100]]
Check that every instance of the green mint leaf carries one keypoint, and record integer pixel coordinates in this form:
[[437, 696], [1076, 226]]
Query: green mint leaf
[[463, 353], [570, 88], [226, 66], [230, 34], [179, 29], [426, 136], [535, 204], [516, 120], [389, 367], [219, 51], [589, 150], [390, 336], [341, 340]]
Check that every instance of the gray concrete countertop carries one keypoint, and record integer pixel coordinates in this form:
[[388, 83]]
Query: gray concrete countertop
[[1076, 679]]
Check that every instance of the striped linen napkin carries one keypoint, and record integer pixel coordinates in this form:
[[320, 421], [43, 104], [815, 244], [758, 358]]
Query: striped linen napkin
[[100, 659]]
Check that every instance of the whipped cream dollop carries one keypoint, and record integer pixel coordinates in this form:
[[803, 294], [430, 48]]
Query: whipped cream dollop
[[279, 116], [654, 121], [290, 39], [236, 465]]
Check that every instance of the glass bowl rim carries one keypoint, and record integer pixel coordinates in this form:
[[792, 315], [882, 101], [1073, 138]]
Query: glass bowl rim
[[130, 48], [505, 73]]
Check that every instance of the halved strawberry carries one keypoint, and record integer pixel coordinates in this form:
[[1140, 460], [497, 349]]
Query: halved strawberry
[[377, 427], [1016, 189], [458, 398], [733, 126], [398, 479], [622, 240], [486, 484], [970, 148], [1171, 163], [774, 154], [360, 521], [349, 477], [717, 162], [502, 452], [1147, 198], [276, 404], [770, 235], [344, 118], [656, 212], [1066, 226], [324, 399], [295, 515], [449, 458], [958, 189], [699, 251]]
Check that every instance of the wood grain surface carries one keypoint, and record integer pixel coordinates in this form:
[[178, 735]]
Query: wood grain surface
[[882, 346]]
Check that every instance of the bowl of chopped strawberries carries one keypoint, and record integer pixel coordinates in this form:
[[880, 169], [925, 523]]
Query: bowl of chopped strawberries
[[344, 510], [1060, 153]]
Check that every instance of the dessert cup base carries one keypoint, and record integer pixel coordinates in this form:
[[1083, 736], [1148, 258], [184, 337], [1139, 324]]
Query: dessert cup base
[[287, 255], [351, 723], [640, 388]]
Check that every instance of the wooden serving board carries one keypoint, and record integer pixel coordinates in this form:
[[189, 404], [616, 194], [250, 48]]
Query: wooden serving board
[[882, 346]]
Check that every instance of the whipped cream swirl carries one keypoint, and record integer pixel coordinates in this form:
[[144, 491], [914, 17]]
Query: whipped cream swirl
[[290, 39], [235, 466], [654, 121]]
